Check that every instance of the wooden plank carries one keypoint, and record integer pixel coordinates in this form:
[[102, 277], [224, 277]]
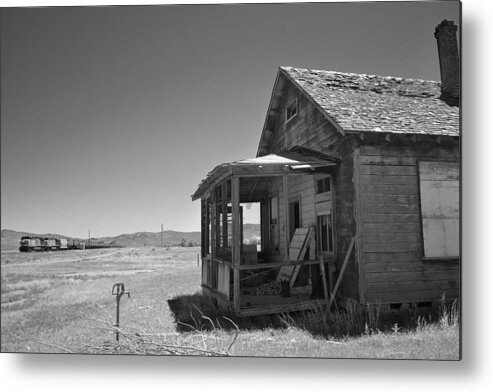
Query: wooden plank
[[341, 273], [277, 264], [391, 199], [390, 218], [389, 264], [449, 284], [411, 296], [358, 216], [402, 286], [286, 215], [311, 244], [391, 247], [439, 171], [414, 151], [389, 190], [395, 257], [392, 227], [377, 208], [382, 277], [439, 200], [367, 180], [235, 201], [297, 253], [223, 280], [441, 237], [297, 249], [386, 170], [213, 226], [381, 160], [323, 197], [371, 237], [324, 281], [283, 308], [400, 282]]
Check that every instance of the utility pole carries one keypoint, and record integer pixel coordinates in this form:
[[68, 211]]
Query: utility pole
[[89, 240], [161, 235]]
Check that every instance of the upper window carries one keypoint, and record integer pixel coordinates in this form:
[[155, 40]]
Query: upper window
[[323, 185], [292, 110], [439, 191]]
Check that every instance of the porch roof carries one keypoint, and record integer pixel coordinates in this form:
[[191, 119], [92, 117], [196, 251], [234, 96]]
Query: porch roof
[[295, 161]]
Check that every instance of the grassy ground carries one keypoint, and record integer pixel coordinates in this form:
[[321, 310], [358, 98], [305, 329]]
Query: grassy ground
[[62, 302]]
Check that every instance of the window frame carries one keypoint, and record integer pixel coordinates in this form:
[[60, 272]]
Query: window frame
[[330, 234], [427, 245], [292, 104], [324, 206], [327, 179]]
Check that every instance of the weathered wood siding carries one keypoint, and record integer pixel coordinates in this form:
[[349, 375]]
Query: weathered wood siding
[[345, 220], [393, 268], [312, 130], [308, 129], [299, 187]]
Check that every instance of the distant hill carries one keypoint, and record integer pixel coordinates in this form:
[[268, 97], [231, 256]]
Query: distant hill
[[11, 238], [170, 237]]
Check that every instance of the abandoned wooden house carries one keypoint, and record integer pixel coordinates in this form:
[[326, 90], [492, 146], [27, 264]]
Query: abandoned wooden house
[[357, 182]]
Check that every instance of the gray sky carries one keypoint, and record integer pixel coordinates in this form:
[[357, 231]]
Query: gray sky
[[111, 116]]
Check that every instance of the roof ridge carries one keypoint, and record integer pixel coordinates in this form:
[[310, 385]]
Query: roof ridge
[[287, 68]]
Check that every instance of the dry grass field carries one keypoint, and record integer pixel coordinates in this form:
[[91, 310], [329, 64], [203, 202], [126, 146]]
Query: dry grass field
[[64, 298], [62, 302]]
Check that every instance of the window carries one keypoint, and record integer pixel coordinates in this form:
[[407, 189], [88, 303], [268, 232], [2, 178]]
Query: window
[[292, 110], [206, 223], [251, 224], [223, 223], [439, 192], [325, 233], [323, 185]]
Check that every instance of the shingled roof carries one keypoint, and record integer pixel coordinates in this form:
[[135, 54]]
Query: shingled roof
[[368, 103]]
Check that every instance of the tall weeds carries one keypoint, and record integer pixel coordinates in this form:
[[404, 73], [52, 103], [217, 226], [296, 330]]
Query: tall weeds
[[353, 319]]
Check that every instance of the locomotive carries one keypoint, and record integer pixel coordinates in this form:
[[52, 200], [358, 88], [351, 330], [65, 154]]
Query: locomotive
[[43, 244]]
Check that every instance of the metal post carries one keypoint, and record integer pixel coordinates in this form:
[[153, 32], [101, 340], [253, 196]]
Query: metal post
[[117, 317], [118, 290]]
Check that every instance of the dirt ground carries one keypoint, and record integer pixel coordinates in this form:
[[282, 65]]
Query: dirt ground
[[62, 300]]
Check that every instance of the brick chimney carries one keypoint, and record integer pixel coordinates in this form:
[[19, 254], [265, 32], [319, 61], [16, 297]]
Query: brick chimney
[[448, 53]]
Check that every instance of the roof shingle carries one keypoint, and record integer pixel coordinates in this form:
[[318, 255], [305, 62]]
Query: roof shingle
[[369, 103]]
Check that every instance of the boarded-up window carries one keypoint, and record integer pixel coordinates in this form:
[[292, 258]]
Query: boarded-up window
[[439, 191]]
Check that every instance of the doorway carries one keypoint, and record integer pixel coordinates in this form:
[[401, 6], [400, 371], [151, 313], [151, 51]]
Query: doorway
[[294, 216]]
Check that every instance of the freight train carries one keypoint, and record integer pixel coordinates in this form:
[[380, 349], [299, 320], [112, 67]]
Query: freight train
[[43, 244]]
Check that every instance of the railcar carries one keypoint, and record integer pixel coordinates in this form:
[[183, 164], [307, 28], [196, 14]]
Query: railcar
[[31, 244]]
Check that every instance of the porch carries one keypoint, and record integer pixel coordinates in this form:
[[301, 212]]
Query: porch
[[279, 267]]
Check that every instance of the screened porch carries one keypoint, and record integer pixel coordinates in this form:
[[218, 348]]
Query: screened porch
[[258, 255]]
